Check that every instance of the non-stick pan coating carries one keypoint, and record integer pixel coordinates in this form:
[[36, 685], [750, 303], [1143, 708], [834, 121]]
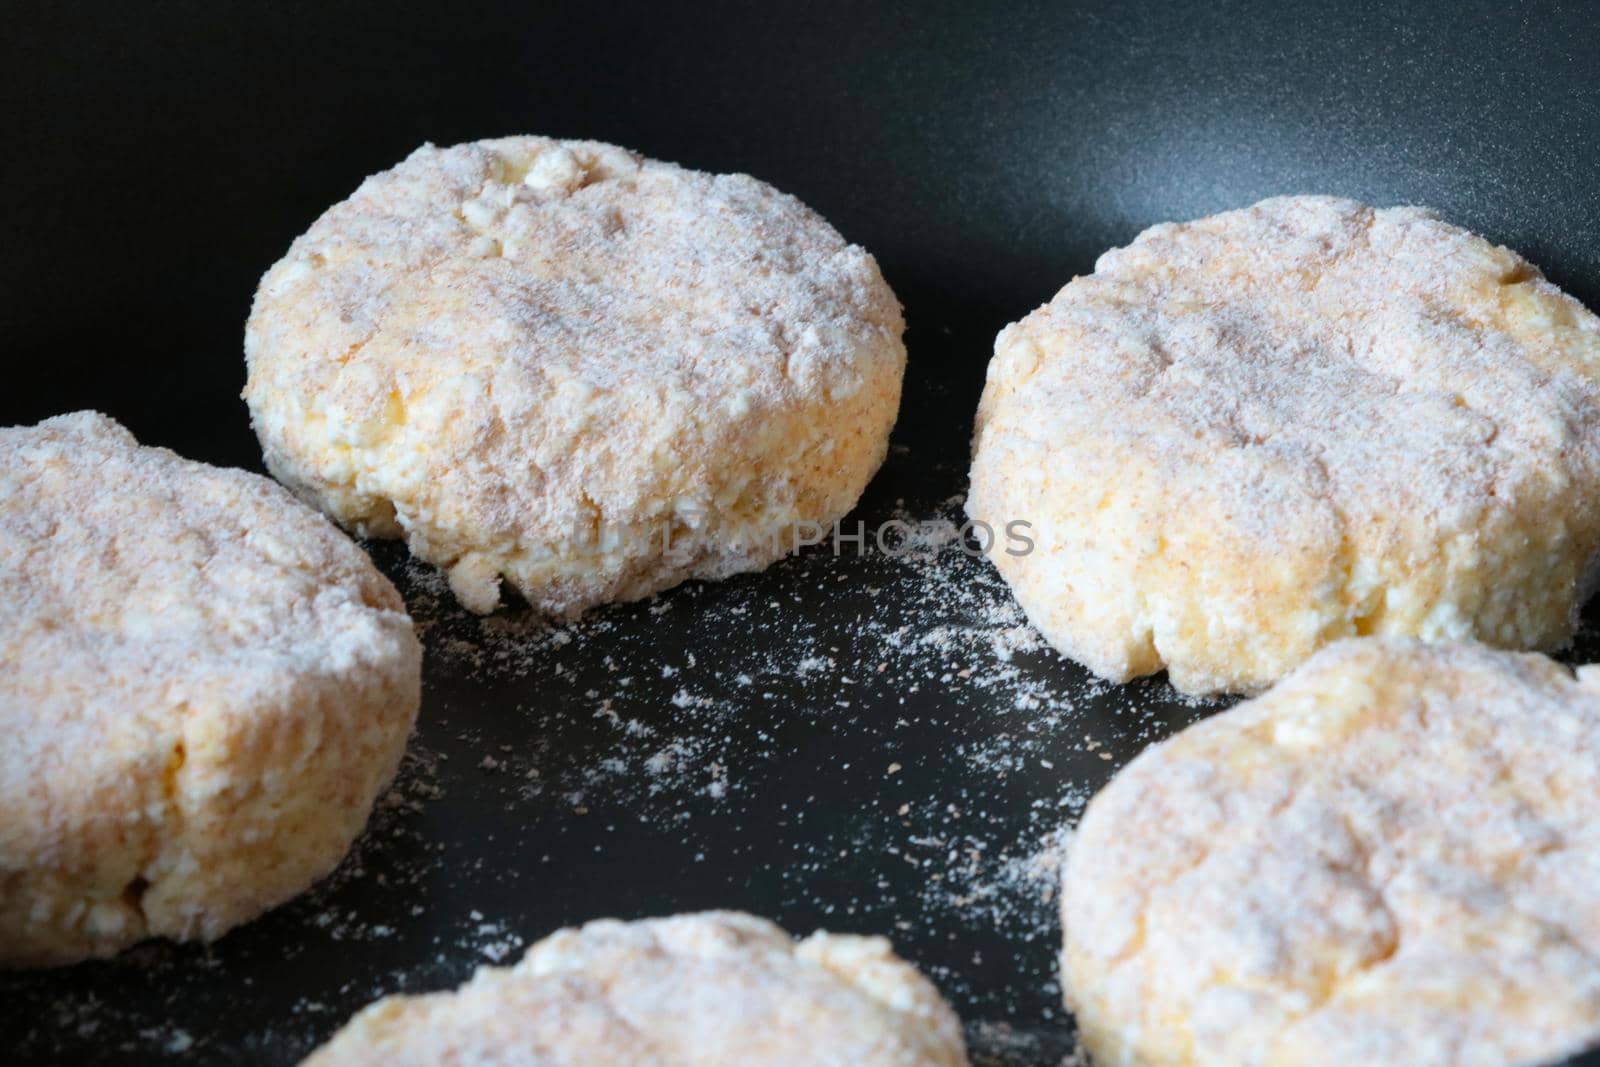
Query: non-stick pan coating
[[742, 747]]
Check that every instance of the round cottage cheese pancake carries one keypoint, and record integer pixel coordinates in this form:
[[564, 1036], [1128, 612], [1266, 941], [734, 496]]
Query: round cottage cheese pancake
[[1247, 436], [1391, 857], [203, 686], [715, 989], [588, 373]]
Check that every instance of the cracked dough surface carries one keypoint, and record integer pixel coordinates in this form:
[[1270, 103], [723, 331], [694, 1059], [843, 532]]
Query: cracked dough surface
[[593, 374], [703, 990], [1246, 436], [1391, 857], [203, 686]]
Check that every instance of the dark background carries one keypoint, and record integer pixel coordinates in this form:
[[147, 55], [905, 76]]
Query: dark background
[[159, 157]]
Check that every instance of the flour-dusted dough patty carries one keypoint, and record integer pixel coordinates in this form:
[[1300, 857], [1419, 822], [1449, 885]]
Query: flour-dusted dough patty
[[1391, 857], [715, 989], [203, 686], [593, 374], [1249, 435]]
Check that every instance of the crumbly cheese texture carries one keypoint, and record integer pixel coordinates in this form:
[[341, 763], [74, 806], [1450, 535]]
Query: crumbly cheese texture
[[203, 686], [715, 989], [1247, 436], [588, 373], [1391, 857]]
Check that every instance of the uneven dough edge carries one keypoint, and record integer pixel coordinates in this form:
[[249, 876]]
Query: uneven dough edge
[[351, 441], [711, 988], [236, 784], [1358, 937], [1150, 556]]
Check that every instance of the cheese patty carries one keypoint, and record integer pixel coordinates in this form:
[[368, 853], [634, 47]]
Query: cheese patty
[[1391, 857], [203, 687], [1247, 436], [587, 373], [715, 989]]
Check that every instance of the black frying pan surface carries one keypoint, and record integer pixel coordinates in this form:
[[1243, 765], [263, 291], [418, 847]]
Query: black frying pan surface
[[856, 742]]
